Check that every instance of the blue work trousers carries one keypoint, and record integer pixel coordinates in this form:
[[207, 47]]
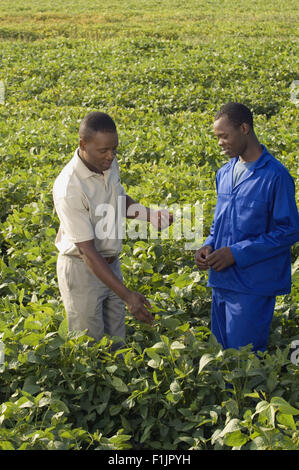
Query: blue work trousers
[[240, 319]]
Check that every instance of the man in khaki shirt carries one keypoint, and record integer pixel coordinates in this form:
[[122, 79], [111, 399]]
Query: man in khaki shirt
[[90, 201]]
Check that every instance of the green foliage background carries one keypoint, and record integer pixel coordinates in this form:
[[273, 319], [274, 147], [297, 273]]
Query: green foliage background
[[161, 69]]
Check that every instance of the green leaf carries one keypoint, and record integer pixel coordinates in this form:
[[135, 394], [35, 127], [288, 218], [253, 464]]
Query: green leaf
[[6, 445], [25, 403], [146, 433], [155, 378], [204, 360], [183, 280], [63, 330], [261, 406], [21, 295], [286, 420], [160, 346], [152, 353], [235, 439], [283, 406], [177, 345], [156, 360], [155, 364], [30, 385], [232, 426], [114, 410], [170, 323], [33, 339], [33, 358], [118, 384], [119, 440], [32, 324], [175, 387], [111, 369], [66, 435], [100, 408]]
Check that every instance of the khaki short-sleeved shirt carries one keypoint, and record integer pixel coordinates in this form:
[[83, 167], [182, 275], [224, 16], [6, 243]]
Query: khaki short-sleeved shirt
[[90, 206]]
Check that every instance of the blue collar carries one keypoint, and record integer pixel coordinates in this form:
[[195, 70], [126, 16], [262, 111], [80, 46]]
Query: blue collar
[[260, 162]]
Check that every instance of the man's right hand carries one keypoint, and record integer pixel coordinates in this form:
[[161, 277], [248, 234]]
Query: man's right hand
[[136, 305], [200, 257], [136, 302]]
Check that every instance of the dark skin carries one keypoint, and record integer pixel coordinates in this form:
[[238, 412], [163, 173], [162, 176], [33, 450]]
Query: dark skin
[[137, 304], [97, 153], [234, 140]]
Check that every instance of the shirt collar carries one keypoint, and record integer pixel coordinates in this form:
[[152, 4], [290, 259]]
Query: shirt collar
[[260, 162]]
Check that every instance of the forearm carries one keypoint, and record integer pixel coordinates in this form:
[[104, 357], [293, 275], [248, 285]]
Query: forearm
[[99, 266], [136, 302], [160, 218], [247, 252], [283, 230]]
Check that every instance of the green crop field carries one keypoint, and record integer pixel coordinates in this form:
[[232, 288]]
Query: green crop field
[[161, 69]]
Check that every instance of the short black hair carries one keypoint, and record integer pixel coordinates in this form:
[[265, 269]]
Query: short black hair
[[96, 122], [237, 113]]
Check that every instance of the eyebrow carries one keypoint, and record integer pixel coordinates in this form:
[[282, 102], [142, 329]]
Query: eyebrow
[[221, 133], [107, 148]]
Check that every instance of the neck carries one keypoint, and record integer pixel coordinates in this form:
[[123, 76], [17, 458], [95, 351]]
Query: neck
[[252, 152], [89, 166]]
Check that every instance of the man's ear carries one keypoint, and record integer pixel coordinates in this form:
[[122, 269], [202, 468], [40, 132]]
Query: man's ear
[[245, 128], [82, 144]]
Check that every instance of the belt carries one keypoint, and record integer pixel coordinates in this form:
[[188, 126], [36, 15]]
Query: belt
[[109, 259]]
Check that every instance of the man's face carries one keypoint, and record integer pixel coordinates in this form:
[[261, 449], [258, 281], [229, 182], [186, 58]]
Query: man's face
[[100, 150], [232, 140]]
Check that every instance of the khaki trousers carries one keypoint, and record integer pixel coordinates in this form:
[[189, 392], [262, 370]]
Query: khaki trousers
[[89, 304]]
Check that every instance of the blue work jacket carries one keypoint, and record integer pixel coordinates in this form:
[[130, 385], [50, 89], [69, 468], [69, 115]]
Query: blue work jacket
[[258, 219]]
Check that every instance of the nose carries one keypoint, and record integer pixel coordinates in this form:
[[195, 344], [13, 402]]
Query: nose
[[110, 155]]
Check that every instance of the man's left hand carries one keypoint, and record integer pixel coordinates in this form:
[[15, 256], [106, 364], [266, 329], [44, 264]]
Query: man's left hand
[[220, 259]]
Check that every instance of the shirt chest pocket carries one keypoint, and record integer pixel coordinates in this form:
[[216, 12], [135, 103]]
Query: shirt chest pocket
[[250, 217]]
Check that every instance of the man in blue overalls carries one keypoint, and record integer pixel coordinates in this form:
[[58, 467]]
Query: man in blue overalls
[[255, 224]]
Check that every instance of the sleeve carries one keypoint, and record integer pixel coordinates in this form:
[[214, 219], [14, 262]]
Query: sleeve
[[284, 228], [122, 191], [210, 239], [74, 218]]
